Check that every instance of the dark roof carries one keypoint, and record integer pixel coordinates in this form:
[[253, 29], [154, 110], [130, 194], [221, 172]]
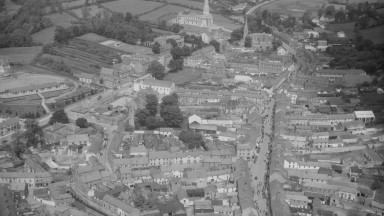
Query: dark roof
[[171, 206], [324, 170], [356, 169], [336, 168]]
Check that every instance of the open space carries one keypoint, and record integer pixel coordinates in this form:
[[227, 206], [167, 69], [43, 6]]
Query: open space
[[44, 36], [23, 55], [185, 76], [194, 4], [376, 34], [29, 79], [133, 6], [72, 4], [62, 19], [294, 8], [91, 37], [10, 7]]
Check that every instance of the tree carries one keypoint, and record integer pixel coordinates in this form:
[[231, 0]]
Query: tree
[[151, 104], [156, 70], [154, 122], [172, 116], [82, 122], [170, 100], [141, 116], [128, 17], [156, 48], [37, 114], [237, 34], [59, 116], [176, 65], [61, 35], [172, 42], [265, 14], [340, 16], [320, 12], [215, 44], [191, 139], [33, 133], [377, 185], [329, 11], [177, 52], [138, 200], [186, 50], [248, 42]]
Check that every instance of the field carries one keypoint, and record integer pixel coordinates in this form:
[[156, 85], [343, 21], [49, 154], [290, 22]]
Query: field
[[346, 27], [23, 55], [29, 79], [93, 10], [195, 4], [10, 7], [376, 34], [95, 38], [44, 36], [224, 22], [294, 8], [133, 6], [185, 76], [82, 56], [72, 4], [20, 110]]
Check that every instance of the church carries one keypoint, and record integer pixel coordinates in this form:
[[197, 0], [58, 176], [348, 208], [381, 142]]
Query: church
[[200, 24]]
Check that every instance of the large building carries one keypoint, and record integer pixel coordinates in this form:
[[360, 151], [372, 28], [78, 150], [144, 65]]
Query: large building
[[200, 24], [261, 41], [162, 87], [33, 89]]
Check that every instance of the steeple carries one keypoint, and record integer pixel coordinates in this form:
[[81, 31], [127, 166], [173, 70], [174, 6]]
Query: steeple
[[245, 33], [206, 7]]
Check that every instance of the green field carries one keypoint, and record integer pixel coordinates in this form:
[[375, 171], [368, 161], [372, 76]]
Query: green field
[[23, 55], [376, 34], [20, 110], [133, 6], [294, 8], [29, 79], [95, 38], [185, 76], [67, 5], [10, 7], [195, 4]]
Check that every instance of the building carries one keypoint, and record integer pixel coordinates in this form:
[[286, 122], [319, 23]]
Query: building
[[322, 45], [33, 89], [340, 34], [261, 41], [365, 116], [7, 204], [109, 77], [4, 66], [119, 207], [162, 87], [78, 139], [281, 51], [9, 126], [33, 179], [86, 78], [271, 66]]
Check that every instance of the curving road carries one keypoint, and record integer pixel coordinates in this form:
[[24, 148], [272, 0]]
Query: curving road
[[250, 11]]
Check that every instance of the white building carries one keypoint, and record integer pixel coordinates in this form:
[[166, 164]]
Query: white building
[[365, 116], [163, 87], [341, 34], [192, 18], [281, 51]]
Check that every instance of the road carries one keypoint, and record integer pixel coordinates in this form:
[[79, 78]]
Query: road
[[250, 11], [259, 169]]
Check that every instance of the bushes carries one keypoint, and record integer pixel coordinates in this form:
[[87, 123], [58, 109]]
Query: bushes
[[54, 64]]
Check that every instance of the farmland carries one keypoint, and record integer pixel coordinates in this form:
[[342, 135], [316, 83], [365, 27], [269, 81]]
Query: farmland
[[28, 79], [23, 55], [185, 76], [82, 56], [72, 4], [20, 110], [10, 7], [294, 8], [134, 6], [91, 37], [194, 4], [62, 19]]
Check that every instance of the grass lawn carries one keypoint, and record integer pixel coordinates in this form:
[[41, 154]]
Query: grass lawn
[[44, 36], [346, 27], [133, 6], [62, 19], [195, 4], [20, 110], [73, 4], [294, 8], [91, 37], [23, 55], [10, 7], [185, 76], [29, 79], [376, 34]]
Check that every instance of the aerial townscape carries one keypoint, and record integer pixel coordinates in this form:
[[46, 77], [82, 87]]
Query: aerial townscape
[[191, 107]]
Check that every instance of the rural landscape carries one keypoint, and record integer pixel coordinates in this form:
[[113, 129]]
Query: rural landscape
[[192, 107]]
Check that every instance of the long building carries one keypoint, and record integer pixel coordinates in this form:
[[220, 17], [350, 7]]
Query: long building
[[33, 179], [33, 89]]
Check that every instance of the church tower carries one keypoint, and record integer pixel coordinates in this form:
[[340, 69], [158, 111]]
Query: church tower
[[206, 7]]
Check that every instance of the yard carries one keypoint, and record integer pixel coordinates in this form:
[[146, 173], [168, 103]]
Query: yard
[[294, 8], [185, 76], [23, 55], [134, 6]]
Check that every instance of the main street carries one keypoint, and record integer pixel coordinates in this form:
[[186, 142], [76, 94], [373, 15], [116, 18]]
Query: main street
[[258, 170]]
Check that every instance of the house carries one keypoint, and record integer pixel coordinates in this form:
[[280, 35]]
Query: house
[[281, 51], [246, 151], [34, 180], [297, 201], [78, 139], [86, 78], [109, 77], [365, 116], [119, 207], [162, 87], [322, 45], [313, 34], [9, 126], [33, 89], [355, 172], [261, 41], [340, 34]]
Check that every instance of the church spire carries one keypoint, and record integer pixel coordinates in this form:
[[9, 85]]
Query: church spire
[[206, 7], [245, 33]]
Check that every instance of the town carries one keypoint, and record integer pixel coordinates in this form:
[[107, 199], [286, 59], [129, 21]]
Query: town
[[270, 115]]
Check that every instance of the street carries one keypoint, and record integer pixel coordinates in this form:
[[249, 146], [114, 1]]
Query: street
[[258, 170]]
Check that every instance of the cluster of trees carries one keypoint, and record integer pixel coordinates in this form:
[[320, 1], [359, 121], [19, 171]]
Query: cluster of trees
[[82, 122], [54, 64], [32, 115], [126, 28], [162, 24], [192, 140], [156, 69], [196, 41], [178, 55], [170, 114], [16, 31], [215, 44], [31, 137], [365, 55], [59, 116]]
